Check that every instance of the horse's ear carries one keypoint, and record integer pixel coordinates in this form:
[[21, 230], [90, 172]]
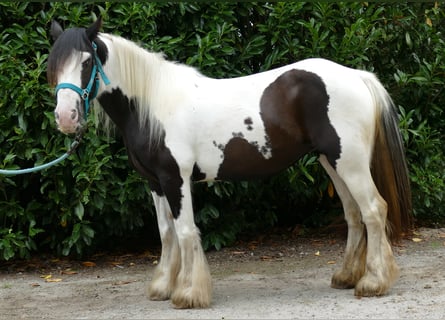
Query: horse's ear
[[56, 30], [94, 29]]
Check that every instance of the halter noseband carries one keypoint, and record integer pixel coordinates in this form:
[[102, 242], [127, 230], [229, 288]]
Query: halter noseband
[[94, 81]]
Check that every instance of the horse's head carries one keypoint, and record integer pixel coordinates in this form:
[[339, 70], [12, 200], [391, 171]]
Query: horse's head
[[72, 70]]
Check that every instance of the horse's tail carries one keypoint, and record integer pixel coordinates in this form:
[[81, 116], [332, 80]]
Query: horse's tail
[[388, 166]]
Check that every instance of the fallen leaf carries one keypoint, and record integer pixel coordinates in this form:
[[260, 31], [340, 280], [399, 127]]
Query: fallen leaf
[[46, 276], [35, 284], [317, 253], [53, 280], [441, 235], [88, 264], [332, 262], [117, 264], [69, 272], [252, 245], [417, 240], [155, 262], [266, 258], [238, 252], [318, 243]]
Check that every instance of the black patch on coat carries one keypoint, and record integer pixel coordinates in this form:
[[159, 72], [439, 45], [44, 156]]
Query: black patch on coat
[[294, 110], [197, 174], [154, 162], [237, 134], [248, 122]]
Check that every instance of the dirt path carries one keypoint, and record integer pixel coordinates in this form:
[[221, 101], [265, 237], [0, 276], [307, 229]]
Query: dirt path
[[276, 278]]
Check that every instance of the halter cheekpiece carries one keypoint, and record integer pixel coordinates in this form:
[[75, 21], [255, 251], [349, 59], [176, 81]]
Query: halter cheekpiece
[[86, 94]]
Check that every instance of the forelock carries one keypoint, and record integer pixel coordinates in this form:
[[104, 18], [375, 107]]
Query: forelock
[[74, 39]]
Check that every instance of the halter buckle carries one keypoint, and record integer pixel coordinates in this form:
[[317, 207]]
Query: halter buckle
[[85, 94]]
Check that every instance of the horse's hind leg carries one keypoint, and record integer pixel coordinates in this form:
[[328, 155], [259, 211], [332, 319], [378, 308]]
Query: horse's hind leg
[[381, 269], [164, 278], [355, 256]]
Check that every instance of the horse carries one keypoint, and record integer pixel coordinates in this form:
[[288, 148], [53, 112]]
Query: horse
[[181, 127]]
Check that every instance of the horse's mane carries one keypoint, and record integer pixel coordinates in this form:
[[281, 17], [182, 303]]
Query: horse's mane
[[157, 85]]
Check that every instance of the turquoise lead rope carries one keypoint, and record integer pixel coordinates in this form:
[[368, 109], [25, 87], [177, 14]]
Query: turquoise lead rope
[[12, 172]]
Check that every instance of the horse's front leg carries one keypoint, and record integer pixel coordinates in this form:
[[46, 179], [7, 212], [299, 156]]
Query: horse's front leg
[[164, 278], [194, 284]]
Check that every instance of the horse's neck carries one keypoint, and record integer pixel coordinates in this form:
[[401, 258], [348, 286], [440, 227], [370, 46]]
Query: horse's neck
[[158, 85], [130, 67]]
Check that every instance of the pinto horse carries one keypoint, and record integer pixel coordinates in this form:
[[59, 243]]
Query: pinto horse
[[179, 127]]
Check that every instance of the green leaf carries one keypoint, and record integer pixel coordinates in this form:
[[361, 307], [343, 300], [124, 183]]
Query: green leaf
[[79, 210]]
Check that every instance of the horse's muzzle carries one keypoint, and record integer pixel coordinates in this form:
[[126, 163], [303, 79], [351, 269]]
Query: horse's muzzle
[[69, 122]]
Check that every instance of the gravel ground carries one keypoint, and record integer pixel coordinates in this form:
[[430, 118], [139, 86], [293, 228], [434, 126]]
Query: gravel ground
[[276, 277]]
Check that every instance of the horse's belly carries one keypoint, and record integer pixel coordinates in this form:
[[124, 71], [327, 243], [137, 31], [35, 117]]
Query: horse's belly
[[243, 160]]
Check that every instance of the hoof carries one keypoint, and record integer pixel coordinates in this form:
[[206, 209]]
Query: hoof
[[157, 295], [343, 280], [190, 301], [369, 287], [160, 288]]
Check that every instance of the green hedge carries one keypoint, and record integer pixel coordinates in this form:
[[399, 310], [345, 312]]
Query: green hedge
[[95, 197]]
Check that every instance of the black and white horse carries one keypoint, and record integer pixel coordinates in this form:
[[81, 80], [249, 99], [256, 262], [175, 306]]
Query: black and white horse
[[179, 127]]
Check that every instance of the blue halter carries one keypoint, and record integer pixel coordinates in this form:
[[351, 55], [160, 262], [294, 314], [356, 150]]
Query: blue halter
[[85, 94]]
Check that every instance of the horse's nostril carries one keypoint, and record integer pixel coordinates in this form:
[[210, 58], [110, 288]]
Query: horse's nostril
[[73, 114], [56, 114]]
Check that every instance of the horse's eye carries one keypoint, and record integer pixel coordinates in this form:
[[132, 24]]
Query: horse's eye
[[87, 63]]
